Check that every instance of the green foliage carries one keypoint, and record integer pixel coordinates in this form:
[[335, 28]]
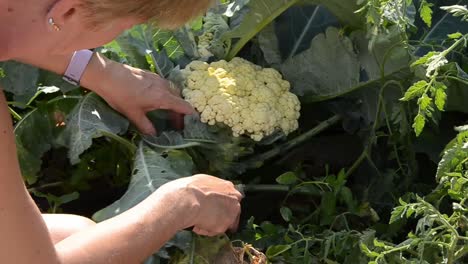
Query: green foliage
[[151, 170], [368, 191]]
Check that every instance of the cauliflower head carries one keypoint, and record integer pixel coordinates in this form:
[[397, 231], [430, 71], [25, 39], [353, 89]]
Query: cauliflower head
[[251, 100]]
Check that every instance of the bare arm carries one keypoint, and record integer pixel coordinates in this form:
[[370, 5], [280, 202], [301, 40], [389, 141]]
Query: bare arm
[[24, 236], [209, 204]]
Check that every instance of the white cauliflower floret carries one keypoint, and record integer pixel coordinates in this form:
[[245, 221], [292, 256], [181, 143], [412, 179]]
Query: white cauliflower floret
[[251, 100]]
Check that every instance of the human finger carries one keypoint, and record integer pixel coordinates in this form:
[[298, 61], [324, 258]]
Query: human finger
[[142, 122], [204, 232], [176, 104]]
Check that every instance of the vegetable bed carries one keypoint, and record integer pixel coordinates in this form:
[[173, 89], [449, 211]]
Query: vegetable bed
[[344, 122]]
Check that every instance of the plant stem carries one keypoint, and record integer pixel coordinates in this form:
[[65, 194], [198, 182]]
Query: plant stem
[[132, 148], [45, 186], [15, 115], [260, 159]]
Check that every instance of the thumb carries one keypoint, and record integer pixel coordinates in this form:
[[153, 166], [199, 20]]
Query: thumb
[[143, 124]]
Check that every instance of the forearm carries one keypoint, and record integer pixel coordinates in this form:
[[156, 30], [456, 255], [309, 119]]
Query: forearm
[[24, 236], [92, 76], [127, 238]]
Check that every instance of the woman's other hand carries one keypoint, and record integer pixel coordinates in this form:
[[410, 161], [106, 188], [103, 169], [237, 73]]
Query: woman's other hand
[[208, 204], [134, 92]]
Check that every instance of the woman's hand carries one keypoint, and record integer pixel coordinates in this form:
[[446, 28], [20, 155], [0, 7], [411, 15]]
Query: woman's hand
[[134, 92], [208, 204], [131, 91]]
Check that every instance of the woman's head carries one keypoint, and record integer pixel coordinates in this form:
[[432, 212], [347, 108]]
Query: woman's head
[[62, 26], [166, 13]]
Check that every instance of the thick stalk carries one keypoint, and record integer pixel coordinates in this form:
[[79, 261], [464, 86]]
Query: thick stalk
[[260, 159]]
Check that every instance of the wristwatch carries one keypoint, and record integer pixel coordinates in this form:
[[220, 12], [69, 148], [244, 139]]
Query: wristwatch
[[77, 66]]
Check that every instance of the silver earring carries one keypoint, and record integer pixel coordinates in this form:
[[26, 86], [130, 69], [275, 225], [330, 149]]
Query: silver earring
[[52, 23]]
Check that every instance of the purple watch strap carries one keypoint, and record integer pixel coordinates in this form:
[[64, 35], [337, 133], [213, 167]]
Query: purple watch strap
[[78, 63]]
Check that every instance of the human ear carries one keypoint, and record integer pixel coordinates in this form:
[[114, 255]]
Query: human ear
[[62, 12]]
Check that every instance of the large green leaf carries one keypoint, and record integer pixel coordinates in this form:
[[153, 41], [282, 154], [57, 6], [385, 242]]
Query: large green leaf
[[19, 79], [151, 170], [298, 25], [36, 133], [91, 118], [330, 67], [260, 14], [147, 47], [388, 56]]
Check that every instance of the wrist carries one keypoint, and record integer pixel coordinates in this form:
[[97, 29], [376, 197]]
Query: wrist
[[181, 203], [92, 78]]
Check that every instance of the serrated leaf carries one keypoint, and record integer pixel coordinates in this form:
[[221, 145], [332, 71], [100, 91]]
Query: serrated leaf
[[440, 96], [397, 214], [426, 12], [416, 90], [151, 170], [424, 59], [90, 119], [451, 152], [457, 11], [419, 123], [424, 102]]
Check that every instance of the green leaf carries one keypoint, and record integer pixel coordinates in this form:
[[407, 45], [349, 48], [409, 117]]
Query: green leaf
[[37, 132], [455, 35], [151, 170], [269, 44], [260, 13], [277, 250], [457, 11], [211, 41], [378, 243], [452, 152], [424, 59], [91, 118], [415, 91], [397, 214], [311, 72], [19, 79], [287, 178], [388, 54], [286, 213], [440, 95], [147, 47], [426, 12], [424, 102], [367, 251], [419, 123]]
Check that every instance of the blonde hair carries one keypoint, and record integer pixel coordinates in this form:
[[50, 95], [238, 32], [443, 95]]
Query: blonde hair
[[168, 14]]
